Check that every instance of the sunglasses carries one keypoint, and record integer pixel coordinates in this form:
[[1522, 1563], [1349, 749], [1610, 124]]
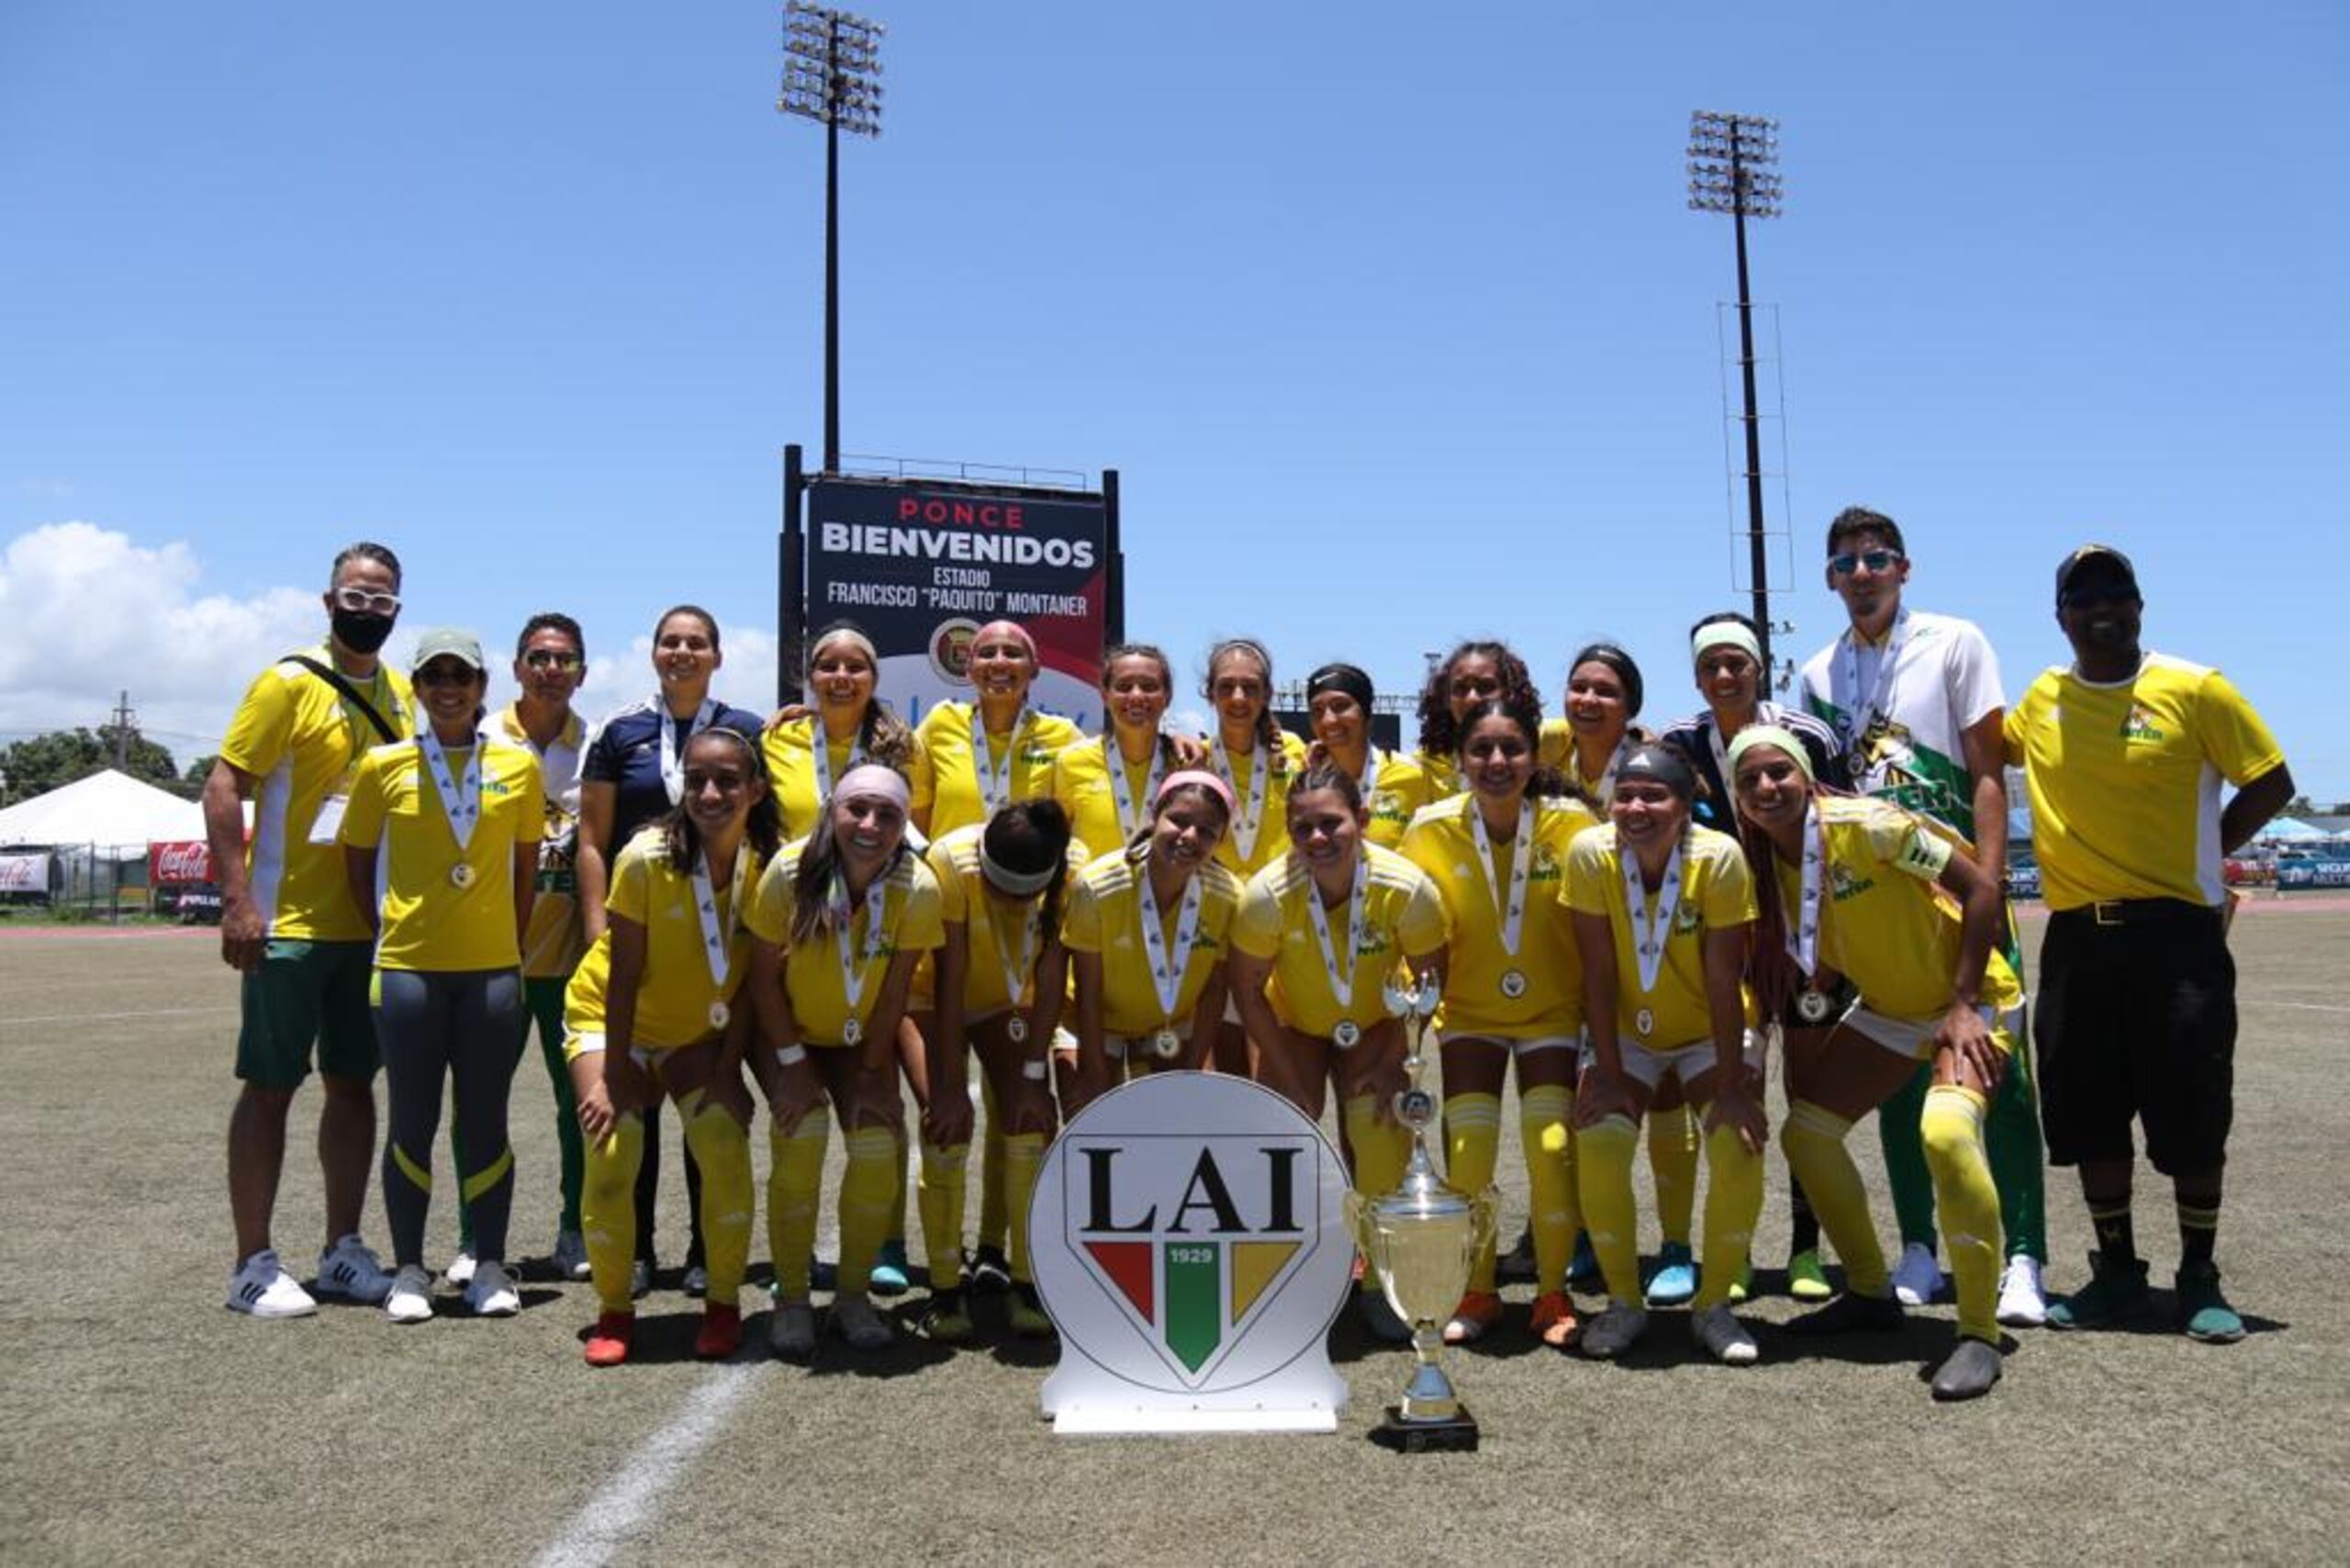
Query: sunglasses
[[359, 601], [1846, 564], [547, 658], [438, 674]]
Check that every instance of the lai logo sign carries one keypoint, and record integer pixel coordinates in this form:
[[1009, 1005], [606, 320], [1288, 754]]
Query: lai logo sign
[[1188, 1235]]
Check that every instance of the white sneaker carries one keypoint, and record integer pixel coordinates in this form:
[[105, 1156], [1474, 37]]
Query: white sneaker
[[697, 1281], [570, 1255], [856, 1319], [791, 1332], [1722, 1336], [460, 1270], [640, 1279], [410, 1298], [2022, 1302], [262, 1288], [1916, 1279], [349, 1270], [489, 1293]]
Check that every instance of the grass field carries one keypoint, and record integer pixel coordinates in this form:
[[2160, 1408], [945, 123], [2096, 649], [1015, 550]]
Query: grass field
[[142, 1420]]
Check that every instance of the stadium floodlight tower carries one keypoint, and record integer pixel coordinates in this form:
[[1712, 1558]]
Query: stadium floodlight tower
[[1733, 168], [831, 59]]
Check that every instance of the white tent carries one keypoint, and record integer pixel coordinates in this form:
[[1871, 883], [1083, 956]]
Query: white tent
[[108, 809], [2286, 830]]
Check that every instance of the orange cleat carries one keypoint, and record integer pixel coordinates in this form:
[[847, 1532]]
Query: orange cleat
[[1478, 1311], [608, 1341], [1554, 1320], [721, 1333]]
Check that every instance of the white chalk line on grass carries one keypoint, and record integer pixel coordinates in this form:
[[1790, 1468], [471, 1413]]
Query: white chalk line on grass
[[2298, 1006], [6, 1022], [625, 1508]]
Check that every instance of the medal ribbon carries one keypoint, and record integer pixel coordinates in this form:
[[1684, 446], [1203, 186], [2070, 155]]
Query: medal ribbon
[[459, 797], [1853, 722], [1510, 907], [713, 938], [1342, 987], [995, 783], [1252, 815], [1016, 965], [673, 769], [854, 964], [1803, 942], [1167, 969], [1651, 931], [1131, 815], [822, 745], [1606, 790]]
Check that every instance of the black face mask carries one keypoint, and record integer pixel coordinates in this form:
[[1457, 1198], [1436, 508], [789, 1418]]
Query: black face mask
[[361, 633]]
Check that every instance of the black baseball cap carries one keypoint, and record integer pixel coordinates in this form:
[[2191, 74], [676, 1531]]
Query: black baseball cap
[[2088, 555]]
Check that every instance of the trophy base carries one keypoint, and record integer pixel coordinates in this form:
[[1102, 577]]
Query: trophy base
[[1453, 1434]]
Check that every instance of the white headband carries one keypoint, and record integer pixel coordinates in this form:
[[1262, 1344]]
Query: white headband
[[1724, 635]]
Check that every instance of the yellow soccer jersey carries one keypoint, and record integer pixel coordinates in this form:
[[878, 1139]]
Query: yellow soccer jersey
[[1104, 918], [1439, 776], [792, 774], [1887, 926], [1442, 842], [1272, 822], [1555, 747], [946, 775], [430, 923], [1080, 780], [907, 899], [1399, 786], [964, 899], [1716, 893], [300, 741], [2126, 779], [557, 938], [1403, 916], [674, 996]]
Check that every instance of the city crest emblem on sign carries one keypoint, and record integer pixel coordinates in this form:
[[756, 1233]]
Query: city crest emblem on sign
[[1188, 1236]]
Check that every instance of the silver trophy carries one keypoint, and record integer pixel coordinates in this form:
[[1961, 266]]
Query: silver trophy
[[1421, 1240]]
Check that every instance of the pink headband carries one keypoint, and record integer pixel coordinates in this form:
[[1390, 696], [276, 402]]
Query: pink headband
[[1213, 784], [872, 779], [1013, 627]]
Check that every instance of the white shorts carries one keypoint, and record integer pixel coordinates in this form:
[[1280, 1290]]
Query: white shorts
[[1517, 1047], [1685, 1062], [1907, 1037]]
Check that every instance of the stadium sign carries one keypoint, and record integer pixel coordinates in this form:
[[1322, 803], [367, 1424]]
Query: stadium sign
[[1188, 1238]]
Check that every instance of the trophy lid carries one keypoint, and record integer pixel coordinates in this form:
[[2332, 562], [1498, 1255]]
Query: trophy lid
[[1422, 1195]]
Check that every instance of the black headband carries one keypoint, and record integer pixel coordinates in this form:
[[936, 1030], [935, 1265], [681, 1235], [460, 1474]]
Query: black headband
[[1664, 765], [1619, 661], [1347, 679]]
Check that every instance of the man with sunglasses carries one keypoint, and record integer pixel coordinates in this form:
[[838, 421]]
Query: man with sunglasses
[[2124, 754], [288, 925], [1915, 699]]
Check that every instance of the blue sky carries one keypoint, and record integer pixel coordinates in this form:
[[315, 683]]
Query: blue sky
[[1394, 321]]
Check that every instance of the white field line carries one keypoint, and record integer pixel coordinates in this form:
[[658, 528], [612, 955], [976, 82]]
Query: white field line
[[626, 1506], [7, 1023]]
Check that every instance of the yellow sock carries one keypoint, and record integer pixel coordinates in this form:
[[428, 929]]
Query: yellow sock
[[1542, 1113], [723, 1150], [1672, 1163], [1472, 1145], [993, 1216], [1024, 1153], [1968, 1202], [795, 1181], [868, 1188], [608, 1209], [1733, 1202], [1814, 1139], [941, 1202], [896, 1227], [1603, 1155]]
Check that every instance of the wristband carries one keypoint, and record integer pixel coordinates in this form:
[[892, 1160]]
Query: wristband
[[790, 1056], [1034, 1071]]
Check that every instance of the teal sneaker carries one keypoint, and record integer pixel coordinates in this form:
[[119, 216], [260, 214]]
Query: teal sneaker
[[2114, 1291], [888, 1276], [1675, 1280], [2204, 1310], [1583, 1269]]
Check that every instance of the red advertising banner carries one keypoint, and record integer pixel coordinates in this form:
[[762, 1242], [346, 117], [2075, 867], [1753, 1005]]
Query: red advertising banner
[[179, 860]]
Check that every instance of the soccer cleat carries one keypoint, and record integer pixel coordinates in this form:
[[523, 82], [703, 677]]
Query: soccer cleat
[[410, 1298], [349, 1270], [1723, 1337], [1615, 1330], [2022, 1302], [697, 1281], [1742, 1287], [1807, 1280], [570, 1255], [460, 1271], [1675, 1280], [1583, 1269], [262, 1288], [640, 1279], [991, 1276], [608, 1342], [791, 1332], [1517, 1265], [722, 1332], [1478, 1311], [2202, 1310], [856, 1319], [1916, 1279], [1851, 1314], [888, 1276], [1380, 1319], [1554, 1320], [1968, 1371], [1029, 1319], [2115, 1291], [946, 1320], [490, 1293]]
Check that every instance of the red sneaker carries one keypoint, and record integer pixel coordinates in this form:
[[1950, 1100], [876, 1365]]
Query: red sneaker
[[721, 1333], [1554, 1320], [1478, 1311], [608, 1341]]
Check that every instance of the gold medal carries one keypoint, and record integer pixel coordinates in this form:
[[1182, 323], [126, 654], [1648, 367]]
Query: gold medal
[[1015, 1028], [719, 1014], [1347, 1035], [1167, 1043], [1513, 984], [461, 876], [1643, 1022]]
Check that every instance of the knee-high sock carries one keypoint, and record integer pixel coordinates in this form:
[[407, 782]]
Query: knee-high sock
[[870, 1187], [2019, 1161], [1814, 1139], [1472, 1145], [1672, 1163], [1023, 1154], [723, 1150], [1381, 1149], [1952, 1131], [994, 1217], [607, 1208], [1557, 1212], [941, 1203], [1904, 1160], [1603, 1155], [795, 1181], [546, 1005], [1733, 1202], [894, 1230]]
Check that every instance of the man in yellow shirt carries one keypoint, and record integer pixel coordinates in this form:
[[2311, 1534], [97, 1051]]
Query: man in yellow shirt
[[2124, 753], [287, 923]]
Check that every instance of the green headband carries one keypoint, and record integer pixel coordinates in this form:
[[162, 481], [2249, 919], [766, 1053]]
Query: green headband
[[1753, 736]]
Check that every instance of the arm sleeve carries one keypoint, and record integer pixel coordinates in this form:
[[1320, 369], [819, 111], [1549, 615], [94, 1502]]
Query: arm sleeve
[[363, 816], [1256, 923], [2239, 745], [1590, 879], [630, 896], [769, 916], [1974, 677], [953, 904], [1904, 843], [1081, 922], [920, 929], [1730, 891], [599, 761], [258, 736], [531, 826], [1425, 926]]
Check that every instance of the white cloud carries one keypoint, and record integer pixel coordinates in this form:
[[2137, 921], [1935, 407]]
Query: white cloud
[[746, 676]]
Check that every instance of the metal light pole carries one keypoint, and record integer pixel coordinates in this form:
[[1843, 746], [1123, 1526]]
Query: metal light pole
[[830, 61], [1732, 160]]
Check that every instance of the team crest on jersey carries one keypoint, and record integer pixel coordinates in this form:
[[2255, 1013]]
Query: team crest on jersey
[[1843, 882], [2140, 725]]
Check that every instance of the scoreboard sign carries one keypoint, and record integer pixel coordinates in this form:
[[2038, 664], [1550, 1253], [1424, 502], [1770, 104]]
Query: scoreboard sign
[[919, 566]]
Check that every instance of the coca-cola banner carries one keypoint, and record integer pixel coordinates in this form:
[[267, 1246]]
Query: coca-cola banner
[[23, 872], [179, 860]]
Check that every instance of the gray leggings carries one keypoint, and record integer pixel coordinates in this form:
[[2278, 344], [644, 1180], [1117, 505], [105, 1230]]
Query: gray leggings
[[432, 1028]]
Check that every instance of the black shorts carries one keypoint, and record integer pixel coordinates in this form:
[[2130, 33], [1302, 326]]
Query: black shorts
[[2136, 1016]]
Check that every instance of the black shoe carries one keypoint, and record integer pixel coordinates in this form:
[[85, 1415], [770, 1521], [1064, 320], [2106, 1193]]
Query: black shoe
[[989, 1273], [1851, 1314], [1517, 1265], [1968, 1371]]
